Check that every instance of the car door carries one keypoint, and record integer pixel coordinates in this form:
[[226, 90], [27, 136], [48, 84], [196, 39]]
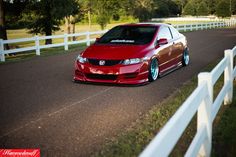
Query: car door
[[177, 46], [164, 51]]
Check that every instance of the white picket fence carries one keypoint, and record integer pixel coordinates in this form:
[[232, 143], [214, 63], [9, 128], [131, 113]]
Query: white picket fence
[[190, 18], [200, 101], [201, 26], [37, 47]]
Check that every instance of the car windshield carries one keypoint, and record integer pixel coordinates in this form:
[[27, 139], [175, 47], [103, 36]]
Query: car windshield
[[135, 35]]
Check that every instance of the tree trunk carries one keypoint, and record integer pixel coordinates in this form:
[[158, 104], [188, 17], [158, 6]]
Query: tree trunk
[[3, 32], [89, 20], [67, 25], [48, 33], [72, 26], [73, 31]]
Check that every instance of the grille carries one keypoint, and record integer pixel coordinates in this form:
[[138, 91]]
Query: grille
[[101, 77], [107, 62]]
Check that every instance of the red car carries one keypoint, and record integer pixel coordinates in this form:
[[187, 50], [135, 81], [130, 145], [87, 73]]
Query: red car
[[132, 54]]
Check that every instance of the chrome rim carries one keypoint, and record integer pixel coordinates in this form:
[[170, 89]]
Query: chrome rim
[[154, 69], [186, 57]]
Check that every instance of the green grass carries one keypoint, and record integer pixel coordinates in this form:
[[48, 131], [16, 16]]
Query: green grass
[[133, 140], [224, 134]]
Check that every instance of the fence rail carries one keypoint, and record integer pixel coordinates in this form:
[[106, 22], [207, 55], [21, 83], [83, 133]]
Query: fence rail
[[187, 18], [200, 101], [37, 47]]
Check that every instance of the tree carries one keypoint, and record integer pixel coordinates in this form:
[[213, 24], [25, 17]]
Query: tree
[[143, 9], [211, 6], [233, 7], [104, 10], [73, 17], [13, 14], [190, 8], [202, 9], [165, 8], [86, 8], [180, 4], [223, 9], [3, 32], [45, 16]]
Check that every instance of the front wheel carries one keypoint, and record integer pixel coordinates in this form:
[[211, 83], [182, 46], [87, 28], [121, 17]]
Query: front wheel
[[186, 58], [153, 70]]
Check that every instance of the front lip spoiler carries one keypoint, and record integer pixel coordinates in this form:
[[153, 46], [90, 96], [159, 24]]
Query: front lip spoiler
[[111, 84]]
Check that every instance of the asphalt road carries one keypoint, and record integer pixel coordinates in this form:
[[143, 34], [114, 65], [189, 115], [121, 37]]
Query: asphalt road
[[40, 107]]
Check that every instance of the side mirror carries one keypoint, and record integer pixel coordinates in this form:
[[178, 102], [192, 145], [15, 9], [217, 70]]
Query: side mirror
[[162, 41], [97, 39]]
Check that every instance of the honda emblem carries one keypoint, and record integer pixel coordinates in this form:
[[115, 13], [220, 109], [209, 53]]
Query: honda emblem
[[101, 62]]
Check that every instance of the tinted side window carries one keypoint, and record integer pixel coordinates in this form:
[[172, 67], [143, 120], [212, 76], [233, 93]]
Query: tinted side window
[[164, 32], [174, 32]]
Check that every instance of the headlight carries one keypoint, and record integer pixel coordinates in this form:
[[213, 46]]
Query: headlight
[[134, 61], [81, 59]]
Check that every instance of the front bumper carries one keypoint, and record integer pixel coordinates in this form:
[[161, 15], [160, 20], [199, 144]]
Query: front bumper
[[119, 74]]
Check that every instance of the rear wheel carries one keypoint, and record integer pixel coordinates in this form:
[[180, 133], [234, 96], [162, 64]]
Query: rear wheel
[[153, 70], [185, 59]]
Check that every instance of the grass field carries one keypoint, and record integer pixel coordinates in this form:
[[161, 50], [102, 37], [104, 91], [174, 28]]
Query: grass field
[[23, 33]]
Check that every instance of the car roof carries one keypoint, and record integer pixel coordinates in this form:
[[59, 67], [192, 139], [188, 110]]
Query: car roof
[[146, 24]]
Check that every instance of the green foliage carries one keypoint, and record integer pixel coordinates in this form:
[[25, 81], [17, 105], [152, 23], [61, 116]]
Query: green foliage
[[45, 16], [190, 8], [13, 13], [142, 9], [223, 9], [233, 7], [105, 10], [211, 6], [202, 9]]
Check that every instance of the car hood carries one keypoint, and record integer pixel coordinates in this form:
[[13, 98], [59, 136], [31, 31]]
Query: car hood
[[115, 52]]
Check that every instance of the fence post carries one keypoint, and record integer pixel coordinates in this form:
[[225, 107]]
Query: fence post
[[2, 55], [88, 38], [66, 41], [37, 45], [228, 76], [204, 114], [191, 27], [185, 29], [177, 27]]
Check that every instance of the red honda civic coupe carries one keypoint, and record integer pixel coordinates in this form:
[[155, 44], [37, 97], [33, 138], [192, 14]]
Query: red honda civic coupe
[[132, 54]]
